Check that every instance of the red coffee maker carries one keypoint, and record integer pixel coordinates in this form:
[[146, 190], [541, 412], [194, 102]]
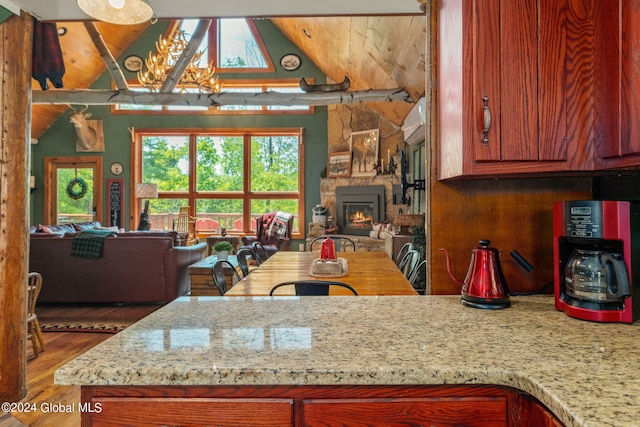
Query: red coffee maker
[[597, 269]]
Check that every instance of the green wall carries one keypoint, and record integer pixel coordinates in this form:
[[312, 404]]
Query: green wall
[[59, 139]]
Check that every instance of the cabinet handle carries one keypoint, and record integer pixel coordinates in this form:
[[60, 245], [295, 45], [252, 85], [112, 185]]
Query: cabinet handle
[[486, 120]]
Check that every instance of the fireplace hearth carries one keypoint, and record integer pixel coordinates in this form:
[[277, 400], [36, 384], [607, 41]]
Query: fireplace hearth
[[359, 207]]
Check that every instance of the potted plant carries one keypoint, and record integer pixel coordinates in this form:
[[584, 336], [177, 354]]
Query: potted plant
[[222, 249]]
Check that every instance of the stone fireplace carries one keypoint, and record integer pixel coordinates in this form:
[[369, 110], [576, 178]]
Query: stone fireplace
[[359, 207]]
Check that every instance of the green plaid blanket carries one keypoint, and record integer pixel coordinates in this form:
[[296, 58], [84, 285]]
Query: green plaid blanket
[[88, 243]]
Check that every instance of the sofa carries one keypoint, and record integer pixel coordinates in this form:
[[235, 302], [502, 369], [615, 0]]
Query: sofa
[[133, 267]]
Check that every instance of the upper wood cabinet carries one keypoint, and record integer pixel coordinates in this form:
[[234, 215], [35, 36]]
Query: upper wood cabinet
[[519, 86], [625, 150]]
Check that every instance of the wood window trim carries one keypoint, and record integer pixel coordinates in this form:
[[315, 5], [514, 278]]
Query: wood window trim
[[50, 194], [246, 195]]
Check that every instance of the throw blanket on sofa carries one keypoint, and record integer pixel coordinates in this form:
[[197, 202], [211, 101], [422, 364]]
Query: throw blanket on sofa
[[88, 243], [279, 225]]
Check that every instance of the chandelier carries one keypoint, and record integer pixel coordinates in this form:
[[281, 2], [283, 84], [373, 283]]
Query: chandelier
[[160, 64]]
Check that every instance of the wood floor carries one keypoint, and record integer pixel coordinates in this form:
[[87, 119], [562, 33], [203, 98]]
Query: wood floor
[[61, 347]]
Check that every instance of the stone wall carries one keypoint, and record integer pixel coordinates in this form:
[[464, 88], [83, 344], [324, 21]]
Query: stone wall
[[345, 119]]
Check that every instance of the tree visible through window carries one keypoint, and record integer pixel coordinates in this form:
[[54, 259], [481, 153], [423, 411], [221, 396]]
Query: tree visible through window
[[229, 177], [232, 43]]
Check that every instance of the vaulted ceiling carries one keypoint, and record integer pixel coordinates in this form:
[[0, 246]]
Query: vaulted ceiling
[[379, 52]]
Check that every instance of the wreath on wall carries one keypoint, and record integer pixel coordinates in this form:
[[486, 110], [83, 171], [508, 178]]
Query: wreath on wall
[[77, 188]]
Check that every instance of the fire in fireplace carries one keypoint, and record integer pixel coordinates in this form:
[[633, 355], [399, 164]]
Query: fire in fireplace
[[359, 207]]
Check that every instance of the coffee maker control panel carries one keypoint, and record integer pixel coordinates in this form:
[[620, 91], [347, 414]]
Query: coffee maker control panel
[[584, 219]]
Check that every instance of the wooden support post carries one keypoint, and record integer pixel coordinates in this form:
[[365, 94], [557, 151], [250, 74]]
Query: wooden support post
[[15, 122]]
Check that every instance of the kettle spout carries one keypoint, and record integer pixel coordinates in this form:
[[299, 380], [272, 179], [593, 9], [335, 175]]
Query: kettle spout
[[446, 254]]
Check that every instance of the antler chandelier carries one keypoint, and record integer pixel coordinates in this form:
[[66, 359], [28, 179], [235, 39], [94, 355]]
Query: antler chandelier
[[159, 65]]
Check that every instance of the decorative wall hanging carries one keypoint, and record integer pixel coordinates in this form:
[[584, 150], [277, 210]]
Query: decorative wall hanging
[[116, 201], [364, 146], [339, 164]]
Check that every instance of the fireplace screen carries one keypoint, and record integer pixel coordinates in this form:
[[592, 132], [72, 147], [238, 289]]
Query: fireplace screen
[[359, 207], [358, 215]]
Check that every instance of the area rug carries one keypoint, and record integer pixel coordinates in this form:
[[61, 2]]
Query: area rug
[[84, 325], [102, 319]]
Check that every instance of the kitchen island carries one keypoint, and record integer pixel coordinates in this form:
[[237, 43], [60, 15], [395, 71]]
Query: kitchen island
[[204, 351]]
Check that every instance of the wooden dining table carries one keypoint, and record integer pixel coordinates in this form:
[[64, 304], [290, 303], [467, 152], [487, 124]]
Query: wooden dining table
[[369, 273]]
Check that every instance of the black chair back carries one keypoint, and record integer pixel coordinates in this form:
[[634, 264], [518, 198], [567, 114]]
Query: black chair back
[[312, 287], [218, 275], [243, 256]]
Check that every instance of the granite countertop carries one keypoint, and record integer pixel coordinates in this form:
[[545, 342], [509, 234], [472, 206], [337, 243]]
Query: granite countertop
[[587, 374]]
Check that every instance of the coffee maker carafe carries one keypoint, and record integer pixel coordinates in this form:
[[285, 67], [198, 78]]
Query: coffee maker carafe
[[596, 243], [597, 276]]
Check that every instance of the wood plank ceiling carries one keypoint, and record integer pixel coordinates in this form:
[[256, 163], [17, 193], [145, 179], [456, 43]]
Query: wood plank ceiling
[[381, 52]]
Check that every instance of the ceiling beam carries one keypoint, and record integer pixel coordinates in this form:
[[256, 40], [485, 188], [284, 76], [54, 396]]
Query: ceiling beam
[[110, 97], [107, 57], [186, 56]]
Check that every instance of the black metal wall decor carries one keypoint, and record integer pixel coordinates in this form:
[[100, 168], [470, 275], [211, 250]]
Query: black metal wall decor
[[116, 202]]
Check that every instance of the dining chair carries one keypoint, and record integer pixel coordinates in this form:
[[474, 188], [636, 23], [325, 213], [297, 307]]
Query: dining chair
[[244, 255], [403, 251], [417, 277], [342, 243], [260, 253], [34, 285], [312, 287], [219, 277], [409, 262]]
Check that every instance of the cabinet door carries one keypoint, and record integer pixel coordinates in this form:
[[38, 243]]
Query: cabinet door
[[476, 411], [123, 411], [519, 61], [503, 87], [625, 151]]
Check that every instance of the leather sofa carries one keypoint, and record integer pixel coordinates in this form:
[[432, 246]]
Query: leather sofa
[[134, 267]]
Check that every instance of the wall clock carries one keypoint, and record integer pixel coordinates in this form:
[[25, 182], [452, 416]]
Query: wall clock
[[290, 62], [116, 168], [133, 63]]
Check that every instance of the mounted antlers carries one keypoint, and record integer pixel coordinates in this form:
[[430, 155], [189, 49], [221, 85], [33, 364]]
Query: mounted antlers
[[89, 134]]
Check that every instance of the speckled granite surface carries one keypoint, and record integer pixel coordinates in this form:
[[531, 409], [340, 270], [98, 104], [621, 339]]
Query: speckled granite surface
[[587, 373]]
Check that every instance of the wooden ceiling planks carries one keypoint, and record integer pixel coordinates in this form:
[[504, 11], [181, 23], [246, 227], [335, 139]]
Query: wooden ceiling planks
[[83, 63], [375, 52]]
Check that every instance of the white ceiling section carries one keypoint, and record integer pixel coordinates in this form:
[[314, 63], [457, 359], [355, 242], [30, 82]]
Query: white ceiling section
[[66, 10]]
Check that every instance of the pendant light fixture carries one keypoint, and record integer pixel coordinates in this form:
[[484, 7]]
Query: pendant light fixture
[[123, 12]]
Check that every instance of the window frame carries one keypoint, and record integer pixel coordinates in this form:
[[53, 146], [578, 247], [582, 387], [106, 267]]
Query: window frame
[[246, 195]]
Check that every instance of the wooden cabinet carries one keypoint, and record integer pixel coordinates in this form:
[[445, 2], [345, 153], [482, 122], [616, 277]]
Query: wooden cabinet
[[442, 405], [443, 412], [625, 150], [520, 86]]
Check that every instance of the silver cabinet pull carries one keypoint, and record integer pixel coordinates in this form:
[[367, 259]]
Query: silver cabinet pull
[[486, 120]]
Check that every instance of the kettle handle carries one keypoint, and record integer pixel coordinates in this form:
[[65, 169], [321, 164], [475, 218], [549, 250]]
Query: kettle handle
[[623, 288]]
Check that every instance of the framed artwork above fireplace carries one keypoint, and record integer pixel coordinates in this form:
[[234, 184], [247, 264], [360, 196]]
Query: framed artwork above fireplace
[[364, 146]]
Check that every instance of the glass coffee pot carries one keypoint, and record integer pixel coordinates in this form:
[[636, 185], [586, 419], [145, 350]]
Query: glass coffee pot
[[596, 276]]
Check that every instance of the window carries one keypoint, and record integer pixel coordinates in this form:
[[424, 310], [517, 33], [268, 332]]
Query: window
[[232, 44], [229, 176]]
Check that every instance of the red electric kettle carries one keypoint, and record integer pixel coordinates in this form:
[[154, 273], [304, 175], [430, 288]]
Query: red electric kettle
[[485, 285]]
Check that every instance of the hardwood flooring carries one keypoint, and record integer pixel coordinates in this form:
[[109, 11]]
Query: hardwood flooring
[[61, 347]]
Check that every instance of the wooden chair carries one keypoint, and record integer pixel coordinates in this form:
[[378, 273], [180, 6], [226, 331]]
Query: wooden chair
[[185, 224], [219, 277], [207, 224], [312, 287], [409, 262], [403, 251], [34, 285], [342, 243]]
